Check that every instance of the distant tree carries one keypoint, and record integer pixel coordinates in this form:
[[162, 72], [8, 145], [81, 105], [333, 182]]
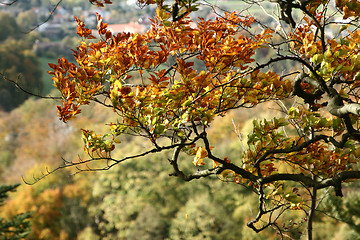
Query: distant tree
[[345, 210], [314, 145], [132, 202], [148, 225], [27, 20], [8, 28], [58, 208], [17, 63], [203, 218], [16, 227]]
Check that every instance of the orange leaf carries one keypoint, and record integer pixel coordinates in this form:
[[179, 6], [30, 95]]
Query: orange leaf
[[201, 153]]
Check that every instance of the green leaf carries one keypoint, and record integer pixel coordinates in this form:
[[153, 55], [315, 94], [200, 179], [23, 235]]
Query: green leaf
[[357, 76], [186, 103], [293, 112], [154, 120], [317, 58], [159, 129], [293, 198], [281, 122], [343, 27], [166, 23]]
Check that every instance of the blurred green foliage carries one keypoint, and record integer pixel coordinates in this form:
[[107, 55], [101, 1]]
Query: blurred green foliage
[[17, 226], [17, 63]]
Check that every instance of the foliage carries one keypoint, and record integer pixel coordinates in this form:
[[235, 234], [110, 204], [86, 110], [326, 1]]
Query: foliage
[[137, 184], [122, 199], [345, 211], [17, 226], [18, 63], [127, 202], [8, 28], [24, 133], [58, 210], [178, 103], [27, 19], [170, 104], [202, 219]]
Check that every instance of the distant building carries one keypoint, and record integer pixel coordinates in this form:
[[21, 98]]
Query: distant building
[[131, 27], [127, 27]]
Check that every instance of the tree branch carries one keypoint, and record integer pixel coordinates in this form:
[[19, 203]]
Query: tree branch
[[296, 59], [308, 97], [308, 181], [311, 213], [262, 212], [296, 148], [337, 180], [336, 106], [26, 91], [188, 177], [8, 4]]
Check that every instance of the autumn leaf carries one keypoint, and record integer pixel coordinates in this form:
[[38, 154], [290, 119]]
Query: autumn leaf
[[227, 173], [201, 153], [173, 104]]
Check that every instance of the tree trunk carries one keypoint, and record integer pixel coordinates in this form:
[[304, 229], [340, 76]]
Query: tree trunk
[[311, 215]]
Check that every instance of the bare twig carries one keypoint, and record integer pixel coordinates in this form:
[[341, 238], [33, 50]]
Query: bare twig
[[26, 91]]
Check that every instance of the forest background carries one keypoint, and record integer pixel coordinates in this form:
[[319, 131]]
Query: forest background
[[135, 200]]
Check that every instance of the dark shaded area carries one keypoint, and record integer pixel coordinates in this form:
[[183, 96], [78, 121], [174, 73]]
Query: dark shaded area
[[17, 63]]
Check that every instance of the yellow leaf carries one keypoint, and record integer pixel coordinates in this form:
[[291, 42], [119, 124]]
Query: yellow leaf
[[162, 14], [98, 54], [250, 99], [227, 173], [201, 153], [198, 161], [215, 164]]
